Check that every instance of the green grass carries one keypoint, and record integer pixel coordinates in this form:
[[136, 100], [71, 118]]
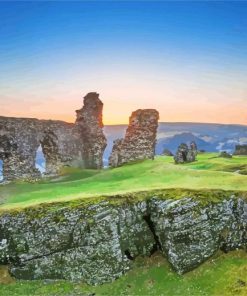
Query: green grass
[[209, 172], [224, 274]]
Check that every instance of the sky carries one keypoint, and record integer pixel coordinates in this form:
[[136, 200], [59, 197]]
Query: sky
[[186, 59]]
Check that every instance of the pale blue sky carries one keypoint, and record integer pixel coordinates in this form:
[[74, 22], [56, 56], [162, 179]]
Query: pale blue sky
[[187, 59]]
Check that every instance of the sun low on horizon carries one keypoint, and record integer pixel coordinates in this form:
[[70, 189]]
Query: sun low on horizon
[[188, 60]]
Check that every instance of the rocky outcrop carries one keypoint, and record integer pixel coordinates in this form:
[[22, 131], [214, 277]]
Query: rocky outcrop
[[63, 144], [225, 154], [140, 138], [186, 154], [167, 152], [90, 127], [97, 242], [190, 233], [240, 150]]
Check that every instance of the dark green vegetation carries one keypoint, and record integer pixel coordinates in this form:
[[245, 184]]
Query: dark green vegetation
[[224, 274], [209, 172]]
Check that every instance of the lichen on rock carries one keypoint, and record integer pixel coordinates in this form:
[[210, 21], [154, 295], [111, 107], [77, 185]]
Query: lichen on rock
[[190, 233], [83, 243], [96, 242]]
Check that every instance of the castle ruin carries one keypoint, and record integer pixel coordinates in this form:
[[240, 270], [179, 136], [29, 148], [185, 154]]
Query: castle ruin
[[140, 138], [63, 144]]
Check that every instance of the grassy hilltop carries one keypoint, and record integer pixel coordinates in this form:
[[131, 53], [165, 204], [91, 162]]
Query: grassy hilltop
[[208, 172], [224, 274]]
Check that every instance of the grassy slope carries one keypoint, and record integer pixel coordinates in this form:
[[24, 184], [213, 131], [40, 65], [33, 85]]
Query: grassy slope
[[225, 274], [208, 172], [222, 275]]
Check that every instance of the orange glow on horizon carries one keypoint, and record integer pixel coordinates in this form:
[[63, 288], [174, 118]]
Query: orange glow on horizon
[[195, 102], [236, 116]]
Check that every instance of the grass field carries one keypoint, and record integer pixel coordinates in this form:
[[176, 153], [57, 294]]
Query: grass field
[[224, 274], [208, 172]]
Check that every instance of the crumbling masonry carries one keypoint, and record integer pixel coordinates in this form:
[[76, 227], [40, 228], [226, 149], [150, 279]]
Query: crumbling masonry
[[89, 125], [64, 144], [140, 138]]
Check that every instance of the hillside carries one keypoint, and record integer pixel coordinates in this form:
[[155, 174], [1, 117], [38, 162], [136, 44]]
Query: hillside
[[151, 276], [89, 227], [211, 137], [208, 172]]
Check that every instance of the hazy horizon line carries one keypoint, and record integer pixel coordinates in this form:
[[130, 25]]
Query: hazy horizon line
[[122, 124]]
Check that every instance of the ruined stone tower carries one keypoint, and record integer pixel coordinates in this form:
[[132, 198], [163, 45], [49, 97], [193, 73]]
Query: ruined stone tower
[[90, 126], [140, 138]]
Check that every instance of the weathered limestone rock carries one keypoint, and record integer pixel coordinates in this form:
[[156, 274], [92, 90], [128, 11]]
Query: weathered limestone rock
[[240, 150], [192, 153], [181, 154], [190, 233], [90, 126], [96, 243], [63, 144], [185, 153], [140, 138]]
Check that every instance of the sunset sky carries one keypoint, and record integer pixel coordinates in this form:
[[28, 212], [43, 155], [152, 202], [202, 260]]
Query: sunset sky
[[186, 59]]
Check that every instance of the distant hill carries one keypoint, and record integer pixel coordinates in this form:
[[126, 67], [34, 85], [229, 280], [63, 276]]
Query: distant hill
[[173, 142], [208, 136]]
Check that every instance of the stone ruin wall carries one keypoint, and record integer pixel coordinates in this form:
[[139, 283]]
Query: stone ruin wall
[[20, 139], [140, 138], [66, 144], [62, 143], [89, 125]]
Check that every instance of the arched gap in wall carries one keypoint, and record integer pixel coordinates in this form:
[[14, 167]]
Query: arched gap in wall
[[40, 162], [112, 133], [1, 170]]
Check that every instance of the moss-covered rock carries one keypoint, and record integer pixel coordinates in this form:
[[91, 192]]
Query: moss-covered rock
[[93, 243], [189, 232], [97, 240]]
